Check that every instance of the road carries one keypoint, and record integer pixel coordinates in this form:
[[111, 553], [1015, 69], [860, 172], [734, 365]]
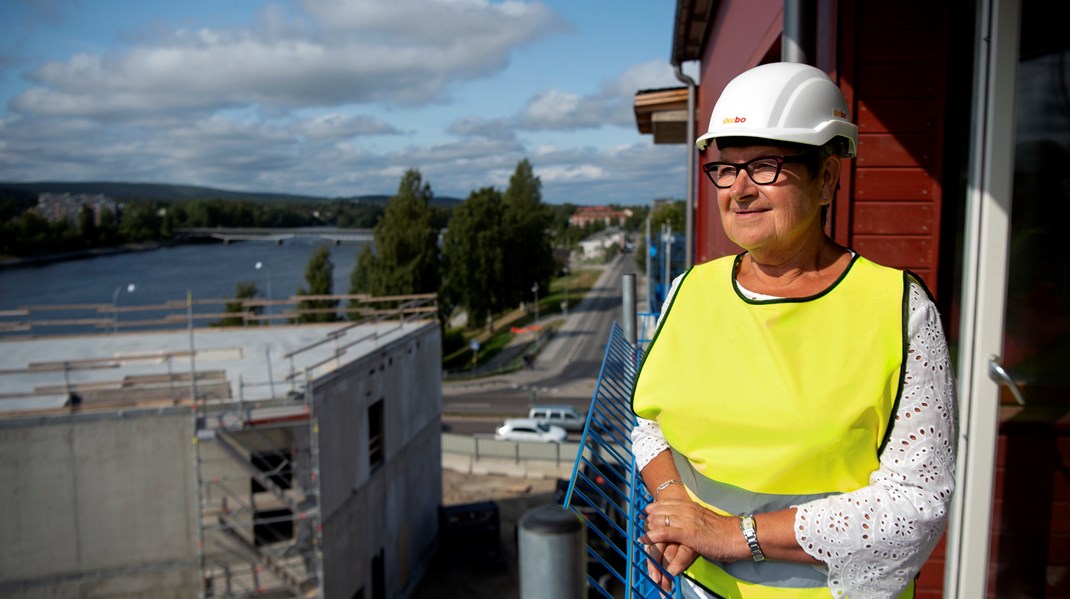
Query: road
[[565, 372]]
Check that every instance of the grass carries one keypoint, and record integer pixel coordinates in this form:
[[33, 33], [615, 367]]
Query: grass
[[490, 344]]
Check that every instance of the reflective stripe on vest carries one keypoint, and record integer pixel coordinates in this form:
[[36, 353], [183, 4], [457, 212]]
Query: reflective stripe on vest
[[775, 403]]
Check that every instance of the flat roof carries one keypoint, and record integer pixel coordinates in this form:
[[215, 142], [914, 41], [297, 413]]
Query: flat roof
[[152, 369]]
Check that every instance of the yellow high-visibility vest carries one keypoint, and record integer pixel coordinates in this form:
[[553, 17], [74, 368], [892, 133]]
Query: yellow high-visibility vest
[[772, 403]]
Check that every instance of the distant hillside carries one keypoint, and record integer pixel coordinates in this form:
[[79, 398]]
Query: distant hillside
[[176, 193]]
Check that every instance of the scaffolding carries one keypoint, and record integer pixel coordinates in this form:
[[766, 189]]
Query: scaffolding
[[260, 527], [256, 460]]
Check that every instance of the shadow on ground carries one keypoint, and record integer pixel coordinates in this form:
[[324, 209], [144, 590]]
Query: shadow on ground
[[481, 577]]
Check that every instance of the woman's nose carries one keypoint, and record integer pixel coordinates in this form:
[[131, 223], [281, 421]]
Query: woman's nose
[[742, 187]]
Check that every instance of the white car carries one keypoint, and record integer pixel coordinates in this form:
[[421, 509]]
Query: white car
[[528, 429]]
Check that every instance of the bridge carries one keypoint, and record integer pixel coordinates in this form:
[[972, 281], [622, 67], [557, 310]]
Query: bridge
[[278, 235]]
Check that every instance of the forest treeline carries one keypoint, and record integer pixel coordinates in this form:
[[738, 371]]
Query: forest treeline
[[25, 232]]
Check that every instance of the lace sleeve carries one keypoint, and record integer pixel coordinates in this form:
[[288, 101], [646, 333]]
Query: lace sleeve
[[647, 442], [875, 540]]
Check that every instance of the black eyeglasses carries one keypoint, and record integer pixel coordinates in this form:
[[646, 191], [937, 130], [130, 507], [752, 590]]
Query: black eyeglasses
[[763, 170]]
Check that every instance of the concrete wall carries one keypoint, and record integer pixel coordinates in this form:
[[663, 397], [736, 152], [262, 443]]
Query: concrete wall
[[393, 509], [98, 505]]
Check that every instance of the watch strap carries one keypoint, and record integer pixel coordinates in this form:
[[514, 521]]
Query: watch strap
[[750, 533]]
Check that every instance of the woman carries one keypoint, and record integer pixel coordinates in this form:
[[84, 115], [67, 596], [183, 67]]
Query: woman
[[796, 417]]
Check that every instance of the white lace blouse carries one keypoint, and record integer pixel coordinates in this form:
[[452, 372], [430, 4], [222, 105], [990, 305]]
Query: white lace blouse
[[874, 540]]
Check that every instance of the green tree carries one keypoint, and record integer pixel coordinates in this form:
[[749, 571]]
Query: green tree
[[672, 212], [319, 274], [473, 256], [405, 258], [107, 230], [87, 226], [235, 310], [528, 254], [141, 221]]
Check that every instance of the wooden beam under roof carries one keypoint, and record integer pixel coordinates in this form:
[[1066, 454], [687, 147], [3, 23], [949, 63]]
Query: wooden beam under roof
[[663, 113]]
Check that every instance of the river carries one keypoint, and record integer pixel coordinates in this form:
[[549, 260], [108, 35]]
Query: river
[[206, 270]]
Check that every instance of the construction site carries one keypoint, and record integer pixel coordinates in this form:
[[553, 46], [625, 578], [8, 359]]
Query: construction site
[[278, 461]]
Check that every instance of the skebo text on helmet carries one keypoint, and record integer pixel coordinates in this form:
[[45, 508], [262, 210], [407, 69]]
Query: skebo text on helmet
[[730, 120]]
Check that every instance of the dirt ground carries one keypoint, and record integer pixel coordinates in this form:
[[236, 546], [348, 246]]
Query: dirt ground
[[450, 576]]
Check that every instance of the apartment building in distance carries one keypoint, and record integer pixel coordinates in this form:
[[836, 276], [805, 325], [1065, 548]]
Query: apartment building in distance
[[68, 206]]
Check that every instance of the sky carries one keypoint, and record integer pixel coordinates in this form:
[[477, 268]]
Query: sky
[[338, 98]]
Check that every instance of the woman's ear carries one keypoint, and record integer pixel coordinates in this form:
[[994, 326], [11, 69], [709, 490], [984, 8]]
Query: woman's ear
[[830, 178]]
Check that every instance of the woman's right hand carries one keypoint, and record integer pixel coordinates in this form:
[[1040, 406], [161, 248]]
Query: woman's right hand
[[673, 557]]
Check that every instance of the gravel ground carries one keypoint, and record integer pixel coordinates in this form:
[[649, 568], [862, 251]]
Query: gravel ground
[[478, 579]]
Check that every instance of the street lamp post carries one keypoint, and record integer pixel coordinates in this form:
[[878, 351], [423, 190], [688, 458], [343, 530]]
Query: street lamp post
[[267, 270], [566, 291], [115, 305], [535, 290]]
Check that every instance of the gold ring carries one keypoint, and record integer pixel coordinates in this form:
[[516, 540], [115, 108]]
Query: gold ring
[[666, 520]]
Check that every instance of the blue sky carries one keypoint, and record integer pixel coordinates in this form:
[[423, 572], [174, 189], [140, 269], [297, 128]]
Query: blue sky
[[338, 97]]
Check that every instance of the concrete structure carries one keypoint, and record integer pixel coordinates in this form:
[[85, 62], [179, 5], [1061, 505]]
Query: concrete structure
[[296, 461]]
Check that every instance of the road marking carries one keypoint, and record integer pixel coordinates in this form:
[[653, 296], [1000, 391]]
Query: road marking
[[531, 388]]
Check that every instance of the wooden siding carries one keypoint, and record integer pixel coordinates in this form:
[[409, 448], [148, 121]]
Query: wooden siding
[[1031, 512], [892, 68]]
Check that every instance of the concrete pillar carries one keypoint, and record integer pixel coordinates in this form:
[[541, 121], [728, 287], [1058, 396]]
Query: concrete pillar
[[552, 541]]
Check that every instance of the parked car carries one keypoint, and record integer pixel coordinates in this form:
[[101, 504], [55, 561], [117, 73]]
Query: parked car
[[527, 429], [567, 417]]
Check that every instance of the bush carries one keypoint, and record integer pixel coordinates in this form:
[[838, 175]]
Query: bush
[[453, 340]]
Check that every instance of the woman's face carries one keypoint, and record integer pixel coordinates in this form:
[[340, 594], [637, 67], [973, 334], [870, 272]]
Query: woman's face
[[781, 217]]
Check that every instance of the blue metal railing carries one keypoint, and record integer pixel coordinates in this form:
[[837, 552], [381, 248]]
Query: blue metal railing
[[605, 488]]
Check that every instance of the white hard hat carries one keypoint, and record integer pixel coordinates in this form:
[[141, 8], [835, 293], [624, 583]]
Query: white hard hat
[[783, 101]]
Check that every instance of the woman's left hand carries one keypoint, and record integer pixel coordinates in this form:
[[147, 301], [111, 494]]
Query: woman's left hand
[[711, 535]]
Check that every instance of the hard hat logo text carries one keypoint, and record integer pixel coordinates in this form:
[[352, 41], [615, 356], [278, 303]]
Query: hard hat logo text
[[730, 120]]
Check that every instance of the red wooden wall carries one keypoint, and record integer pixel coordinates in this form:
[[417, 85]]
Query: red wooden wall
[[1030, 551], [892, 68]]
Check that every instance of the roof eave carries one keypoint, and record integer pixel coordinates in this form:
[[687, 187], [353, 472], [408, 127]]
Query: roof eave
[[692, 23]]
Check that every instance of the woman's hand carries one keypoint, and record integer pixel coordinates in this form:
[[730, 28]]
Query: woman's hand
[[673, 557], [687, 524]]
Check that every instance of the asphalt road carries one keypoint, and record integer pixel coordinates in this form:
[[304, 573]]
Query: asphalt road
[[564, 373]]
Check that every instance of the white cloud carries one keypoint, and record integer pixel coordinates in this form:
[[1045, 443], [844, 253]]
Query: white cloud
[[335, 98], [404, 52], [611, 104], [439, 23], [337, 126]]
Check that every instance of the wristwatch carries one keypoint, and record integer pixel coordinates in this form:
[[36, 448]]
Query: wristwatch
[[750, 533]]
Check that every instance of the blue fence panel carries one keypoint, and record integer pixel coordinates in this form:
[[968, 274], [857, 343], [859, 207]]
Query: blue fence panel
[[605, 488]]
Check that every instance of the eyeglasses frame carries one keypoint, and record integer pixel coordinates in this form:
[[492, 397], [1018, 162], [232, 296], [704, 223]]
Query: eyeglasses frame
[[745, 166]]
